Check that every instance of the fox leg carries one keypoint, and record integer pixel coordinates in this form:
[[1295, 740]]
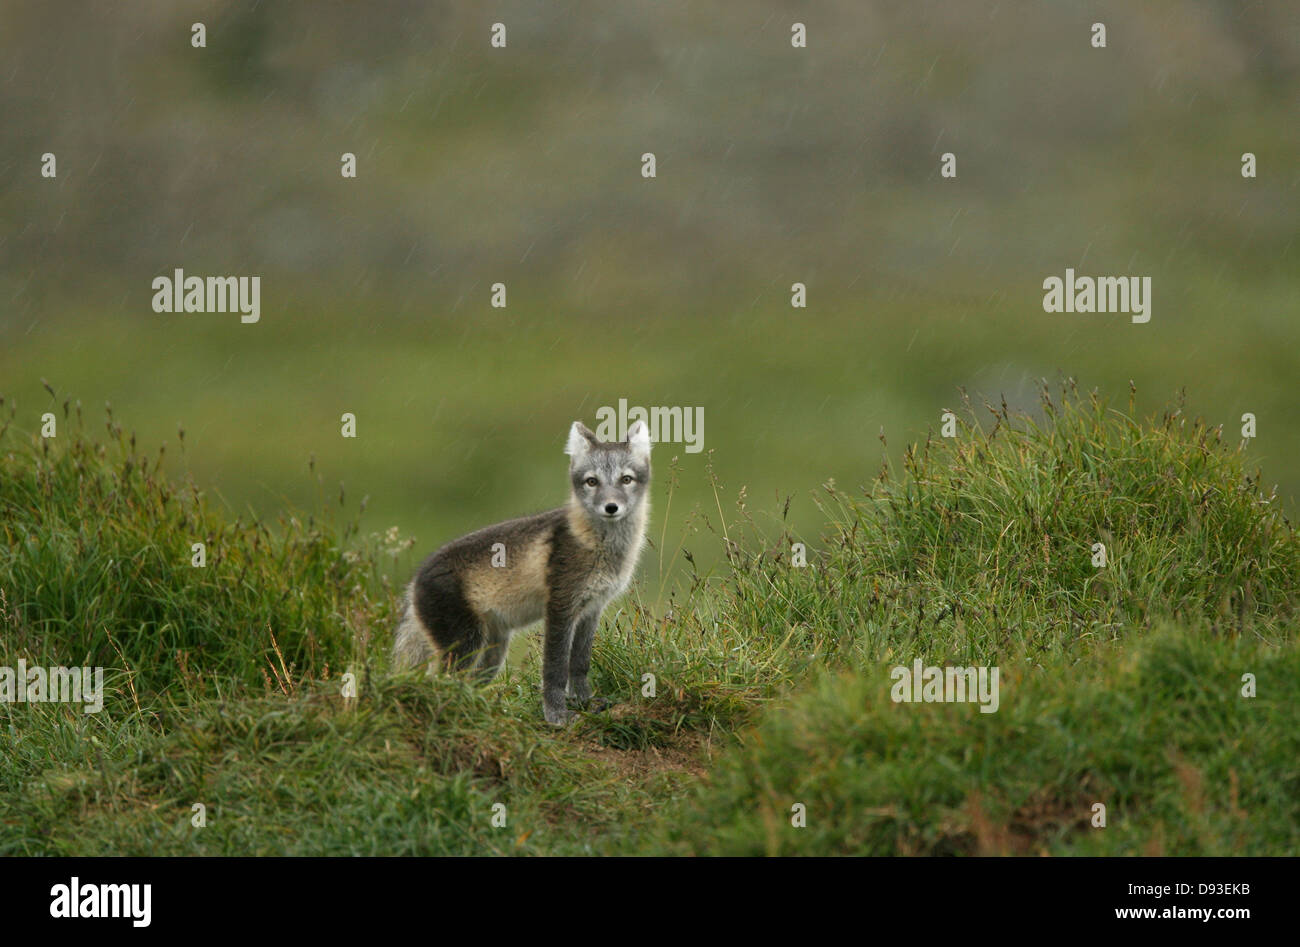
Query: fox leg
[[580, 656], [497, 638], [465, 652], [558, 642]]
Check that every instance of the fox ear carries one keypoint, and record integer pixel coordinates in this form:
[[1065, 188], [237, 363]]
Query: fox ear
[[580, 441], [638, 440]]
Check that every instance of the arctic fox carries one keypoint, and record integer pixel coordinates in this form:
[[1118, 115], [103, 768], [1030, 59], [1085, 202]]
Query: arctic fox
[[563, 566]]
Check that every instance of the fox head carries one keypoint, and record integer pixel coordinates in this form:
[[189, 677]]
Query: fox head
[[610, 479]]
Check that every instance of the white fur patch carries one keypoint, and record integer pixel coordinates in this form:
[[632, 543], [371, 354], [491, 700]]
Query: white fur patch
[[638, 440], [577, 445], [412, 645]]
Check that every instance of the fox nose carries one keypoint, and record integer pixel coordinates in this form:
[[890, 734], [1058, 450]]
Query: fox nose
[[611, 509]]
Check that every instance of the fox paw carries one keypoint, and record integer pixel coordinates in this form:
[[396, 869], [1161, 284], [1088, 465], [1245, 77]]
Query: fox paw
[[558, 717], [589, 704]]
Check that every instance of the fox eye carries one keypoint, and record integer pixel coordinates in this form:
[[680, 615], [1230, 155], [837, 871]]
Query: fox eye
[[592, 482], [627, 478]]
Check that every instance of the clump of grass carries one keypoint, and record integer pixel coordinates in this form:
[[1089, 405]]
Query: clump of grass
[[1014, 511], [984, 544], [97, 564]]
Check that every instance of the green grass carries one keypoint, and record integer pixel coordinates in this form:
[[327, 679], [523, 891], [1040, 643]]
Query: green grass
[[1119, 685], [1159, 734]]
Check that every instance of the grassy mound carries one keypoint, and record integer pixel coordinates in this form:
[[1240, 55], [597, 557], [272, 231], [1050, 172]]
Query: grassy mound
[[97, 568], [984, 545]]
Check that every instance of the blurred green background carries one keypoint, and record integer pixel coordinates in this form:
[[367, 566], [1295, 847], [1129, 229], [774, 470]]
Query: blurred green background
[[522, 165]]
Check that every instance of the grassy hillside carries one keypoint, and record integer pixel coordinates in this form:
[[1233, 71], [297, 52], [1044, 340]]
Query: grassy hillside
[[1120, 685]]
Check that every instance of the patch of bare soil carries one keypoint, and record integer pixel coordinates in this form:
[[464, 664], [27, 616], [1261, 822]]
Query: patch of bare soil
[[671, 751]]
